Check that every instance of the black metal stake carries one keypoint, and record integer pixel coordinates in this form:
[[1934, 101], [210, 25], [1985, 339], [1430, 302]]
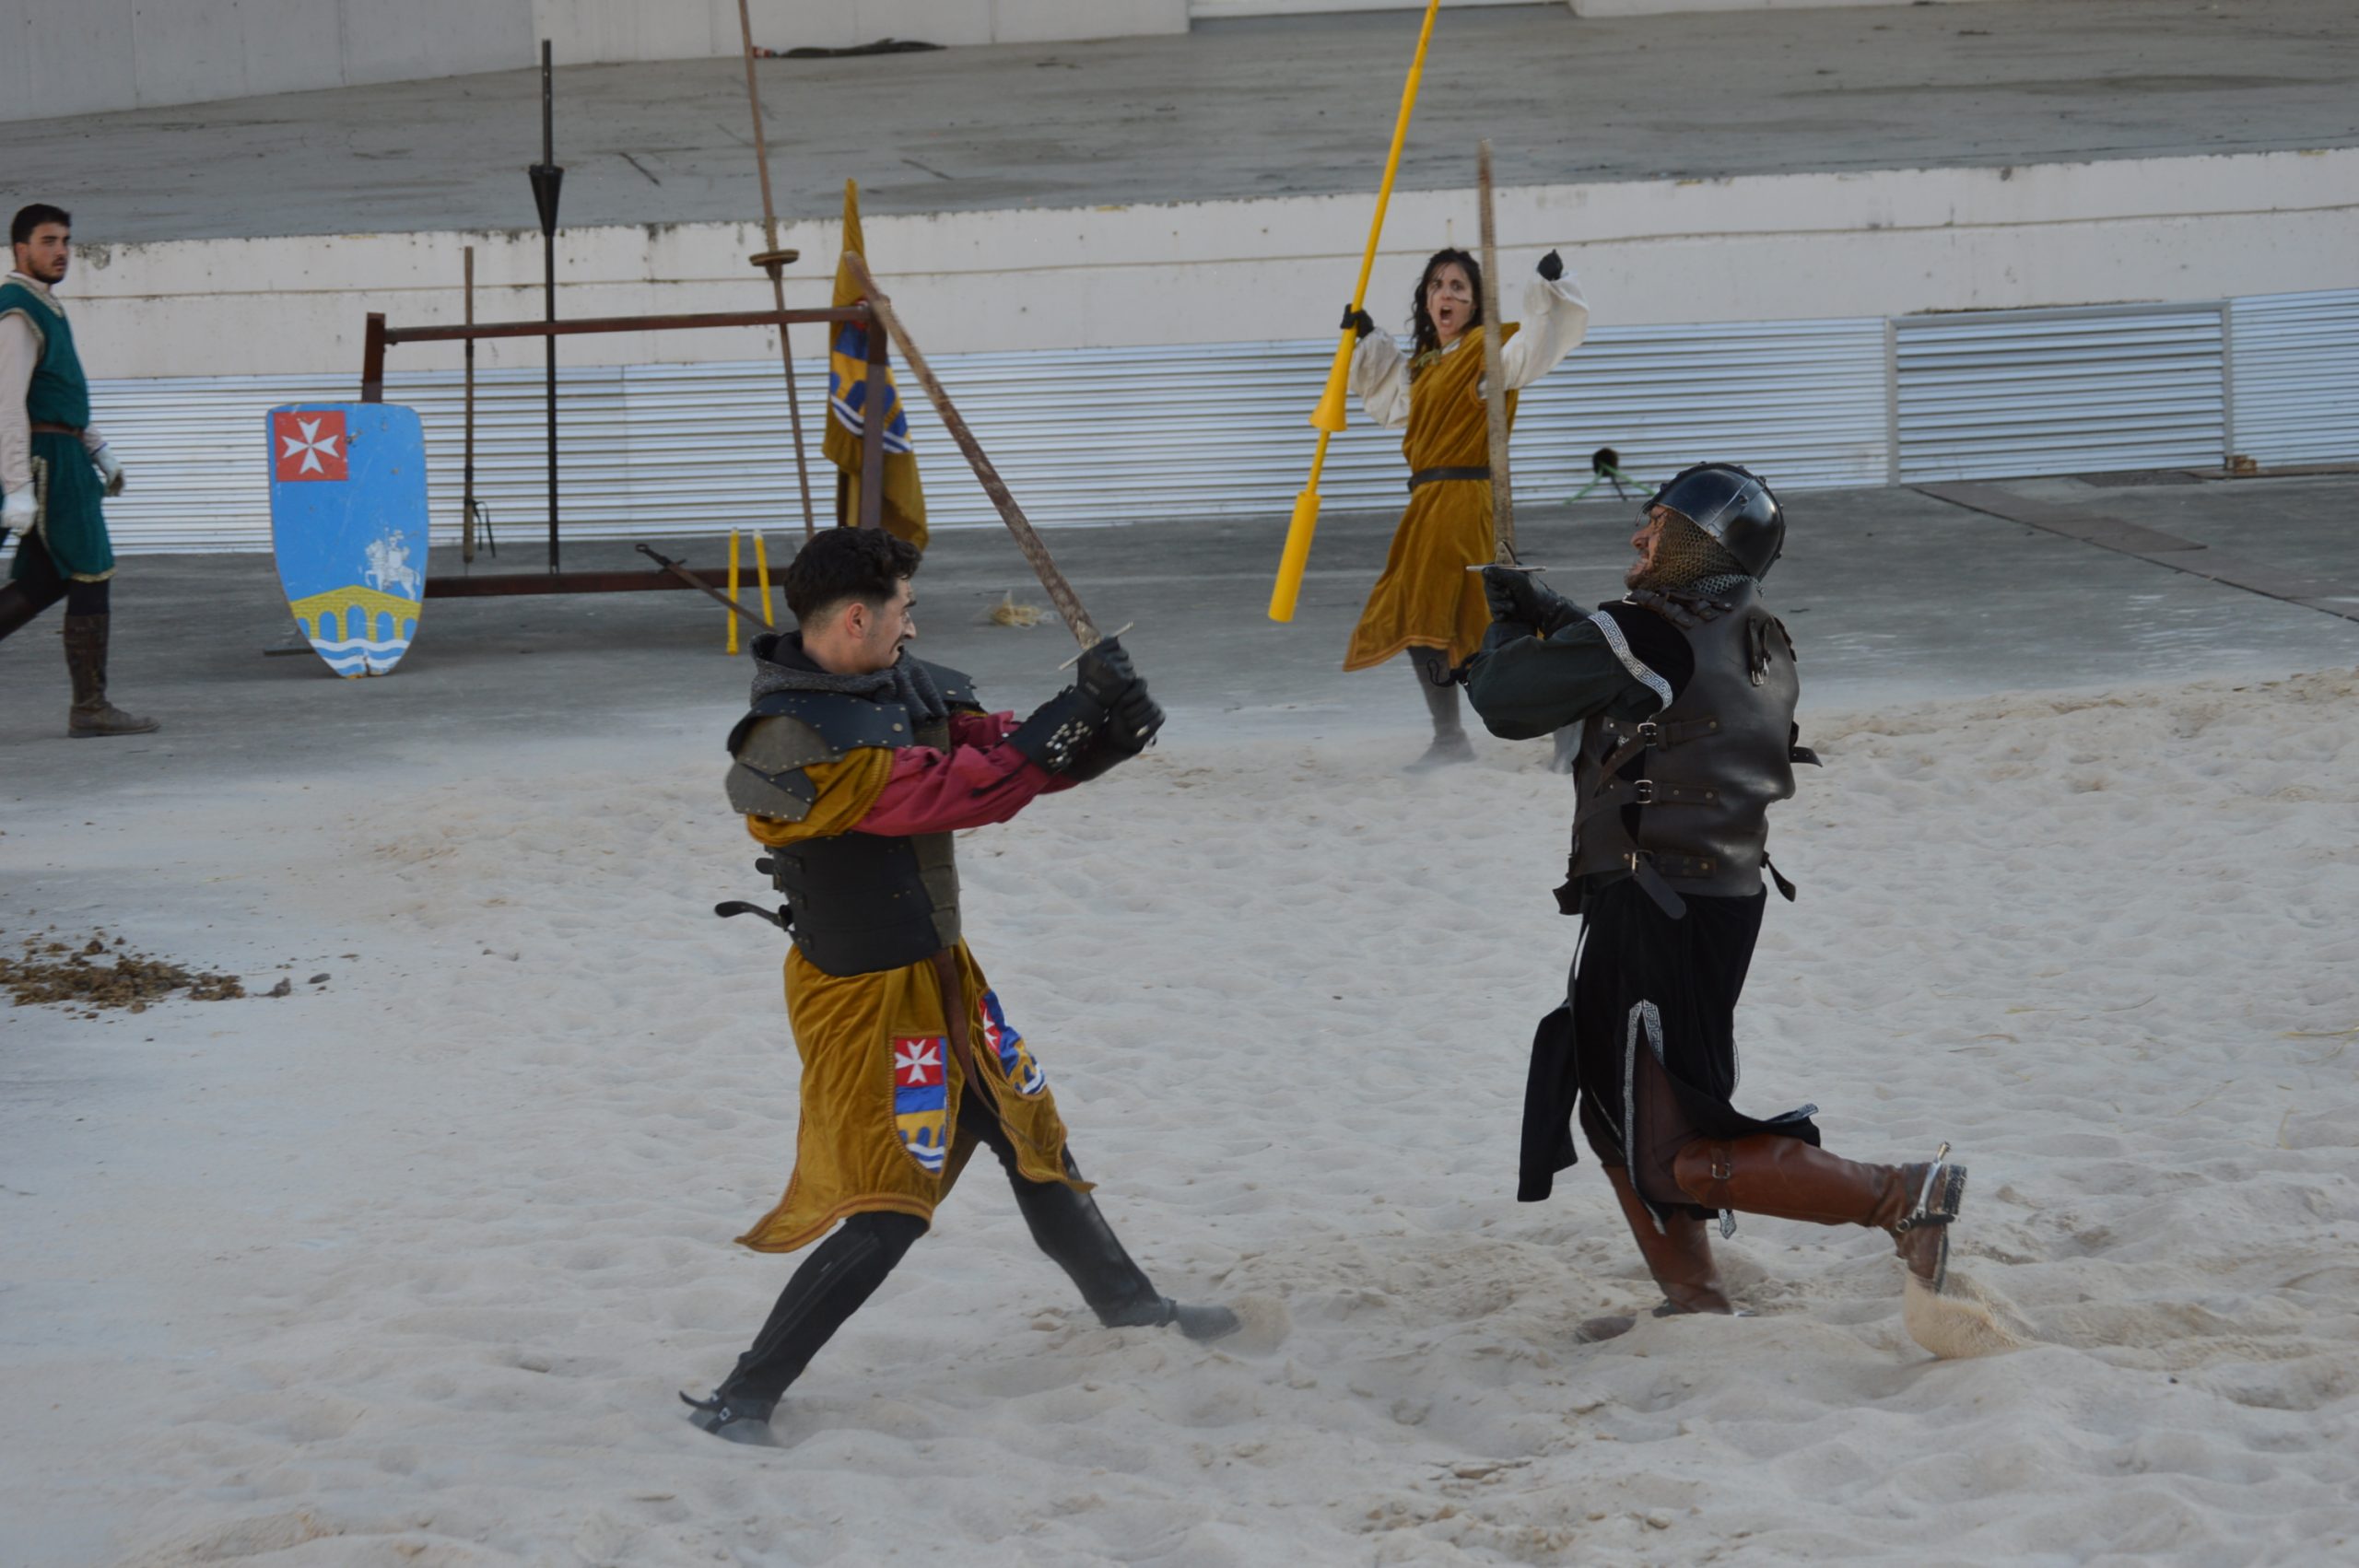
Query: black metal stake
[[547, 181]]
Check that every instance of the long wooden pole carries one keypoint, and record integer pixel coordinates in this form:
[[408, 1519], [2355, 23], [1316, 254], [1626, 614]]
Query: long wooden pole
[[467, 499], [772, 262], [1494, 379], [1027, 539], [1329, 417]]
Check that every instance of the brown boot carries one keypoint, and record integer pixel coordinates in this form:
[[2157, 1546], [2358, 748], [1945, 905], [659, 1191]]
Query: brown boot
[[1678, 1254], [86, 662], [1788, 1179]]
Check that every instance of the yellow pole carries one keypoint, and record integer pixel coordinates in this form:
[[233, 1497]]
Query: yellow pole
[[1328, 418], [762, 576], [733, 589]]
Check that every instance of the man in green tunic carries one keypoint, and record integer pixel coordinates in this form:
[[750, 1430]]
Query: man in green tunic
[[55, 466]]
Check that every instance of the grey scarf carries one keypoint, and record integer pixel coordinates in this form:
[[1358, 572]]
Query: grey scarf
[[781, 665]]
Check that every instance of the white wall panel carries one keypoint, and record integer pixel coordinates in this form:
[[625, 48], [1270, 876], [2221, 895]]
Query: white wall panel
[[2294, 370], [2012, 393], [1084, 435]]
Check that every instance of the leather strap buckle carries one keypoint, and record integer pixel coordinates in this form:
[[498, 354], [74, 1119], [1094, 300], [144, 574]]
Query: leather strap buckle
[[1643, 791], [1649, 731]]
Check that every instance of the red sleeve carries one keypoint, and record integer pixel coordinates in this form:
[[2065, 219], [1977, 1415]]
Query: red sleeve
[[973, 784], [971, 729]]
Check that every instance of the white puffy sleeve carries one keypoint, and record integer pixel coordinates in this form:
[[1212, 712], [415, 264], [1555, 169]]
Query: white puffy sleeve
[[1380, 379], [19, 352], [1556, 319]]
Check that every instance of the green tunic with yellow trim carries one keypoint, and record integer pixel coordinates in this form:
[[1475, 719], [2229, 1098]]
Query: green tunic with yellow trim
[[68, 519]]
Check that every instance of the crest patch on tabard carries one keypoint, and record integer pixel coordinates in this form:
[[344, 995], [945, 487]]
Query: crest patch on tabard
[[1014, 1058], [922, 1098]]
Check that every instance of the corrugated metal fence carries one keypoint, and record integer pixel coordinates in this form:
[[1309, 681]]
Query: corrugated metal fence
[[1164, 434]]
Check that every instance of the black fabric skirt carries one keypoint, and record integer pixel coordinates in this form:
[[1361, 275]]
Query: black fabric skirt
[[1648, 1042]]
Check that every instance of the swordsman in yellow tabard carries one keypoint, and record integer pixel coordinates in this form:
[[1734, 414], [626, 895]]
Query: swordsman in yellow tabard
[[1429, 602], [855, 765]]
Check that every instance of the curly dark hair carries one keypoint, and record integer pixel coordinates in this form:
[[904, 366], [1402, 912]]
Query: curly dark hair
[[1421, 324], [866, 564]]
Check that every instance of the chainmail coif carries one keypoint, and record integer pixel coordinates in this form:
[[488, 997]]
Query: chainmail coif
[[1689, 557]]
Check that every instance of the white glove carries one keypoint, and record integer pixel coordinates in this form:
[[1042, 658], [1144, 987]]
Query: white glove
[[110, 468], [17, 511]]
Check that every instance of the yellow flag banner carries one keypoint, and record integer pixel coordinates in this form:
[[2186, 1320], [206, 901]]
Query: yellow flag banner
[[848, 411]]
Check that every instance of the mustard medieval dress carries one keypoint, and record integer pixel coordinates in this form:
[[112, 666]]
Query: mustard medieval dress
[[1426, 597], [882, 1082]]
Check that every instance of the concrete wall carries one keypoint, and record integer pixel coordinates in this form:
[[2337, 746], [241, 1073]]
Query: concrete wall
[[599, 30], [59, 57], [1770, 248], [86, 57]]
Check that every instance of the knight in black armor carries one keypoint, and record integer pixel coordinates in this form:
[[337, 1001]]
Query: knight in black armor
[[854, 766], [1685, 690]]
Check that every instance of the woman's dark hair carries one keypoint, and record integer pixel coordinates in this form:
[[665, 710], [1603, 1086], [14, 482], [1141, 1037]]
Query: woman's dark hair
[[1421, 324], [20, 228], [866, 564]]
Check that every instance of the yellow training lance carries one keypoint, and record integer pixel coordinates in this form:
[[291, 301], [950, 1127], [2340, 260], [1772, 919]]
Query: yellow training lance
[[1328, 418]]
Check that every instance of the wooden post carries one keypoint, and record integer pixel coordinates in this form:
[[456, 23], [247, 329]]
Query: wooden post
[[871, 430], [467, 498], [372, 360], [772, 260], [1495, 384], [762, 576]]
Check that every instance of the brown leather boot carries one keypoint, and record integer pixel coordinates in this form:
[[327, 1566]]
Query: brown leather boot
[[1679, 1255], [86, 662], [1788, 1179]]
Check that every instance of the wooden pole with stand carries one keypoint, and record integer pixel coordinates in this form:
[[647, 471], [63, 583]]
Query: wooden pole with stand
[[467, 495], [1494, 380], [773, 261]]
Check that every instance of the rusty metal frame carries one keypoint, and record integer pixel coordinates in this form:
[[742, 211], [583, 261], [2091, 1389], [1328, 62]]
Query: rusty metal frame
[[378, 337]]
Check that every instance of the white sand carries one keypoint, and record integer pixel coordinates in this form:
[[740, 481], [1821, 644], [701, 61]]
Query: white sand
[[405, 1270]]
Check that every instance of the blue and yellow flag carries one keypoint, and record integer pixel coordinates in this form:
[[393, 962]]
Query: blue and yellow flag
[[848, 411]]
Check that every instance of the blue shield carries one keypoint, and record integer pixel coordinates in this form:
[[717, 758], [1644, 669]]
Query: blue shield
[[347, 522]]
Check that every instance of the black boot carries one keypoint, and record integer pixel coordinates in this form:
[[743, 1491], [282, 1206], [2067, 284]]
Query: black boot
[[1436, 679], [841, 1272], [1069, 1226]]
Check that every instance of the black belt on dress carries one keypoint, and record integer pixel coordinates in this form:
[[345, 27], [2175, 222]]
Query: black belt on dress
[[1436, 475], [42, 428]]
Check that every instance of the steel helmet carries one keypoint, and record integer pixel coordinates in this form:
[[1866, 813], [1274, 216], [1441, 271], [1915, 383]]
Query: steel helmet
[[1734, 507]]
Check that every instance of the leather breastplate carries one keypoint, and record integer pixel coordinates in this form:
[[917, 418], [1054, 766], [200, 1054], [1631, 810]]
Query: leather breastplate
[[856, 903], [1680, 802]]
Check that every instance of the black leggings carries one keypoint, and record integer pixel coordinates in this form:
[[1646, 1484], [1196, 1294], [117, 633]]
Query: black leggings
[[845, 1269], [41, 583]]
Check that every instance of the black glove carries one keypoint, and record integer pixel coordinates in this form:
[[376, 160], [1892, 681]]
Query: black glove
[[1552, 266], [1103, 672], [1128, 729], [1359, 321], [1521, 597], [1061, 729]]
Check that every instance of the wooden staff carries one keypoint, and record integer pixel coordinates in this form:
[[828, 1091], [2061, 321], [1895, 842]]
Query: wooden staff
[[773, 261], [1495, 379], [467, 501], [1060, 593]]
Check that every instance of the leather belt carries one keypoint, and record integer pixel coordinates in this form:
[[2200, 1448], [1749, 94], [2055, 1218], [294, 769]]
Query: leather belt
[[42, 428], [1436, 475]]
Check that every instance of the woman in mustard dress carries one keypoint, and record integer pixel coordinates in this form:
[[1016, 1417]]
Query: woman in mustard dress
[[1427, 604]]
